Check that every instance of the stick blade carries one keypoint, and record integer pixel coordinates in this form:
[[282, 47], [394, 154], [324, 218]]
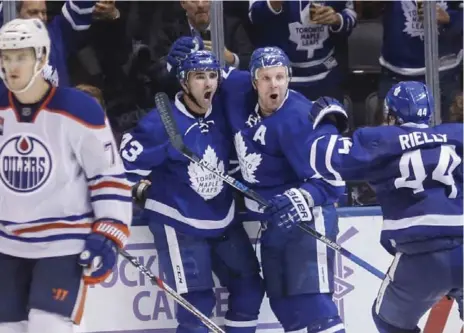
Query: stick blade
[[163, 105]]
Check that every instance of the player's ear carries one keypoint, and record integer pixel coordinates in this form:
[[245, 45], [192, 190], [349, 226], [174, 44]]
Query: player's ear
[[183, 85], [253, 82]]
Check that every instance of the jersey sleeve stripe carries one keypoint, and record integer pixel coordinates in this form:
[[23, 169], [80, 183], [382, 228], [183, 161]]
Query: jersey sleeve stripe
[[70, 218], [109, 184], [54, 225], [140, 172], [97, 177], [52, 238], [114, 197]]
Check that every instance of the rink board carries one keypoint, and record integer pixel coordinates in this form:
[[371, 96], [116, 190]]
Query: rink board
[[127, 302]]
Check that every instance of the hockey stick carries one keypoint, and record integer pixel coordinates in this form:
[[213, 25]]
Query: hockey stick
[[178, 298], [163, 105]]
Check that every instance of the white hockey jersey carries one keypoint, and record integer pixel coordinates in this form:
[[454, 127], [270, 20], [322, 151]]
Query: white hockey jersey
[[59, 172]]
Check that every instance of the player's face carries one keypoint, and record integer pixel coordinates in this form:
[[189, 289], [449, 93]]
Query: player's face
[[272, 85], [202, 86], [18, 66]]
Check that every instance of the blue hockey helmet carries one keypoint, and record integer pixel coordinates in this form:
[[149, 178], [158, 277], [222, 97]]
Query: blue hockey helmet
[[409, 102], [268, 57], [325, 106], [198, 61]]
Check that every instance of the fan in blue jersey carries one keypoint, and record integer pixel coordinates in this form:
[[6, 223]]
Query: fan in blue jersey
[[416, 171], [190, 211], [272, 131]]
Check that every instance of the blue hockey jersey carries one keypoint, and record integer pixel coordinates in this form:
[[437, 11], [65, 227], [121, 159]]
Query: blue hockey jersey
[[272, 153], [76, 16], [309, 46], [403, 38], [416, 173], [183, 194]]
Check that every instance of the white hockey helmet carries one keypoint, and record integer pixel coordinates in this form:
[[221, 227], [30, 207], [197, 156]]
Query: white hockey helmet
[[23, 34]]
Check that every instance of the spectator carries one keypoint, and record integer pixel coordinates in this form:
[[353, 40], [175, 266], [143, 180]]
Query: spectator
[[195, 19], [402, 57], [456, 111], [94, 92], [64, 29], [308, 32]]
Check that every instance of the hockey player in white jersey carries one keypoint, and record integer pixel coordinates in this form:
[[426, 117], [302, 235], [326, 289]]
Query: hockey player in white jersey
[[65, 206]]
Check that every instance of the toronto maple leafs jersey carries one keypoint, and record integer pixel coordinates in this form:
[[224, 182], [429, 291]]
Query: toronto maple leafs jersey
[[59, 173], [403, 38], [416, 173], [309, 46], [271, 150], [183, 194], [64, 30]]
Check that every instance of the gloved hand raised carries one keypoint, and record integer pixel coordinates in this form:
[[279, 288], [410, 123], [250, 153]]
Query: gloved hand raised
[[180, 49]]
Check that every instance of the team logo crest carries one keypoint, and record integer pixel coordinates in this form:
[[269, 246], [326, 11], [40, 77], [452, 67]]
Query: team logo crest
[[26, 163], [204, 182], [248, 162]]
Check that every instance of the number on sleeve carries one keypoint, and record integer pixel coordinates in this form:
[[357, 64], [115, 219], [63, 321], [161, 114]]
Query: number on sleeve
[[133, 151], [346, 146], [109, 147], [443, 172]]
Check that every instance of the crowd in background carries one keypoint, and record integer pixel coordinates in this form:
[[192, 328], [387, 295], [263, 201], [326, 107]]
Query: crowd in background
[[120, 57]]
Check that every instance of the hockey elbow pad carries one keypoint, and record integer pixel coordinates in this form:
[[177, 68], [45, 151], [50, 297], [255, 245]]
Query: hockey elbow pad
[[101, 249]]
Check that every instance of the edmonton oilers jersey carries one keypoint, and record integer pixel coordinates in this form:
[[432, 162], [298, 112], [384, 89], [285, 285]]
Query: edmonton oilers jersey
[[59, 172]]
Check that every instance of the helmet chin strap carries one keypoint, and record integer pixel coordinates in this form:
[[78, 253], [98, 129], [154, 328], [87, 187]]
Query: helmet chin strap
[[189, 95], [37, 72]]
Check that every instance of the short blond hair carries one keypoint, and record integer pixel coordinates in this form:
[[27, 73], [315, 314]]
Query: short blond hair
[[94, 92]]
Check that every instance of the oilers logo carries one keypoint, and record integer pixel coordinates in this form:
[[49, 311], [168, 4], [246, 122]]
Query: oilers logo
[[26, 163]]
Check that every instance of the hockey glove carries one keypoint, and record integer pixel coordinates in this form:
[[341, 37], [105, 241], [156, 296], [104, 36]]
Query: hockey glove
[[139, 192], [180, 49], [289, 209], [328, 109], [101, 250]]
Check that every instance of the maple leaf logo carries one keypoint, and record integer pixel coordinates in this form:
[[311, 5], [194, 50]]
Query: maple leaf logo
[[248, 162], [308, 37], [204, 182], [413, 24]]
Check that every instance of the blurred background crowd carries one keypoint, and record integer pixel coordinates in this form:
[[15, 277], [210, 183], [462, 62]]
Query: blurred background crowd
[[116, 50]]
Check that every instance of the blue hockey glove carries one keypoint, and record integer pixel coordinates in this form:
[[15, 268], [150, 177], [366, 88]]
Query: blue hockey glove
[[289, 209], [180, 49], [331, 110], [101, 250]]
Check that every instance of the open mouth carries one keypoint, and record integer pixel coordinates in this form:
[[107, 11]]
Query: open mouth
[[208, 95], [274, 96]]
